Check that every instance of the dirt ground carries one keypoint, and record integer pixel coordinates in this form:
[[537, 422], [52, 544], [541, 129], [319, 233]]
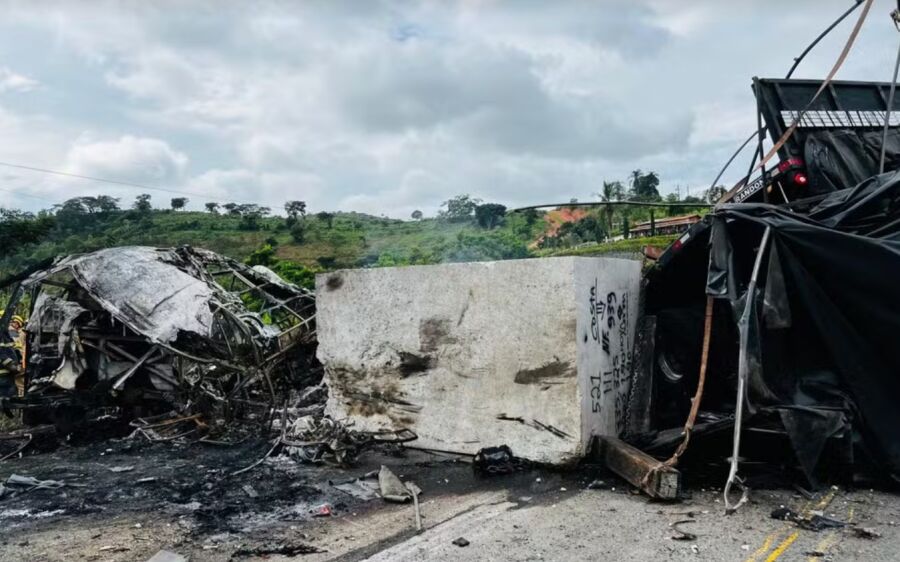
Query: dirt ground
[[126, 499]]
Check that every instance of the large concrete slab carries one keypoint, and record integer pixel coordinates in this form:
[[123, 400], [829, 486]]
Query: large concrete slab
[[534, 354]]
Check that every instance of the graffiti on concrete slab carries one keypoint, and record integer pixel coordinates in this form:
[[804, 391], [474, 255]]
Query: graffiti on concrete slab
[[609, 329]]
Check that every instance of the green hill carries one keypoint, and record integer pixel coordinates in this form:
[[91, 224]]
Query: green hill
[[299, 247], [344, 240]]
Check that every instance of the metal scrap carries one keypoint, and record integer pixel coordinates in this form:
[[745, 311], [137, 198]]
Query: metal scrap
[[179, 330]]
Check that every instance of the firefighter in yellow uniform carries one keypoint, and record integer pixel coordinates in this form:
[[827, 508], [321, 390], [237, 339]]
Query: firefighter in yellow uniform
[[17, 333], [11, 348]]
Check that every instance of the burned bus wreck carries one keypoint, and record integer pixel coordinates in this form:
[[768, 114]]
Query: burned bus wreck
[[137, 331]]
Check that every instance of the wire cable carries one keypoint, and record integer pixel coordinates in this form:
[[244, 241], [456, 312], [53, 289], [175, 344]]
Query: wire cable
[[104, 180], [797, 61], [821, 36], [195, 194], [848, 46]]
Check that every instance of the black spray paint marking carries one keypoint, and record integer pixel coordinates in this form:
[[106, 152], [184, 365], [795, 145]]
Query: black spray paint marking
[[614, 343]]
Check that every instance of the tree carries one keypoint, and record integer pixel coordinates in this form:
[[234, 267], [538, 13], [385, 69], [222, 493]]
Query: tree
[[179, 203], [105, 204], [90, 205], [250, 215], [212, 207], [459, 208], [672, 198], [233, 209], [489, 215], [612, 190], [19, 229], [326, 217], [295, 209], [625, 228], [417, 215], [142, 203], [298, 232], [644, 186]]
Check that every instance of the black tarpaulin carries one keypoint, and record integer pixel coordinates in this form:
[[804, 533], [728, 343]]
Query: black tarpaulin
[[838, 158], [829, 307]]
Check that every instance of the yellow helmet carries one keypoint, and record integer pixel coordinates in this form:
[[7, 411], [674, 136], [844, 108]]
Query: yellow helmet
[[17, 318]]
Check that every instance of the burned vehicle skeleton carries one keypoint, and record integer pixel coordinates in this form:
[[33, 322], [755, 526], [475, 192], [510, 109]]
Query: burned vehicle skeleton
[[144, 330]]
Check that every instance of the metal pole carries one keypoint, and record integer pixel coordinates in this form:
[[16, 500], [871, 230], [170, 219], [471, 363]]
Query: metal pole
[[742, 381]]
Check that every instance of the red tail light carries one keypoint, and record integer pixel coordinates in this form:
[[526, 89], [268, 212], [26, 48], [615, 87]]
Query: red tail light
[[800, 179], [790, 163]]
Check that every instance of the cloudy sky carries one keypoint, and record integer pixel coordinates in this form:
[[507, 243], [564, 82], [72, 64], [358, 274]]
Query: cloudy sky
[[386, 107]]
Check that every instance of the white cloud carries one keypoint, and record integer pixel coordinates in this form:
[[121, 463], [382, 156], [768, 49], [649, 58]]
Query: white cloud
[[391, 106], [13, 82], [128, 158]]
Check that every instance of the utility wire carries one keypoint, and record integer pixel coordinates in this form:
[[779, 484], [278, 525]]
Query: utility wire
[[104, 180], [793, 127], [822, 36], [790, 73], [615, 203]]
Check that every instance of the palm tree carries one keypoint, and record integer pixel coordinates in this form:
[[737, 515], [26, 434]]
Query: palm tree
[[607, 196]]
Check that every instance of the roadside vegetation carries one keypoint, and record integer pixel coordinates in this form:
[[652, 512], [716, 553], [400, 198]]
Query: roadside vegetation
[[298, 243]]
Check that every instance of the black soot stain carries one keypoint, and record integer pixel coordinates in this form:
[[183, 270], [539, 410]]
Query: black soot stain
[[412, 364], [543, 374], [434, 333], [334, 282]]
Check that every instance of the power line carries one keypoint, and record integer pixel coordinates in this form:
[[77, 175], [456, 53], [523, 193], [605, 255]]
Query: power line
[[680, 204], [104, 180]]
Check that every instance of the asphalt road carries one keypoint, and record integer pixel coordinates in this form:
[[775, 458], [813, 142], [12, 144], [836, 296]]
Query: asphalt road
[[536, 515]]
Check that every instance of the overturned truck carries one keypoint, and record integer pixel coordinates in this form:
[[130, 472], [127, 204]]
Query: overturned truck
[[774, 320], [138, 331]]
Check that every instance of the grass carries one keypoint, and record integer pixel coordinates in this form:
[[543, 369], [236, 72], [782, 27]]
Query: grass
[[629, 246], [349, 240]]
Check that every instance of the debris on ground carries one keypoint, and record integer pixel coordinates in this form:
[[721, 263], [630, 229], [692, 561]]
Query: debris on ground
[[415, 491], [866, 533], [682, 535], [492, 461], [461, 542], [288, 550], [322, 510], [811, 522], [16, 484], [392, 489], [365, 487]]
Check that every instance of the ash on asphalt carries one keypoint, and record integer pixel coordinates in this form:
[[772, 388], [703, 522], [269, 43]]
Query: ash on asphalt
[[193, 482]]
